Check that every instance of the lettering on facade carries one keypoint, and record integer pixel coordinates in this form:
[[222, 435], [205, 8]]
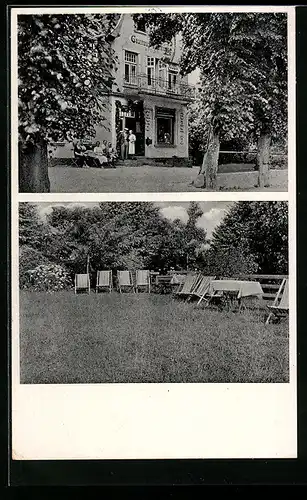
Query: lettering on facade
[[181, 128], [166, 49], [148, 120]]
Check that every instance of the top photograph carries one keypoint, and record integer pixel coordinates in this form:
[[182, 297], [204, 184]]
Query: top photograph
[[152, 102]]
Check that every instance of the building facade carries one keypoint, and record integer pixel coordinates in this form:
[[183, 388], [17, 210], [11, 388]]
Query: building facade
[[148, 96]]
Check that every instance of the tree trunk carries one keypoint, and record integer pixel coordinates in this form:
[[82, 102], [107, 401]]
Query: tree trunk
[[263, 159], [210, 162], [33, 169]]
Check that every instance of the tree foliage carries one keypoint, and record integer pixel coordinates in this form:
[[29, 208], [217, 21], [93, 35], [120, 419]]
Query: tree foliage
[[115, 236], [257, 231], [252, 237], [31, 227], [65, 65], [242, 58]]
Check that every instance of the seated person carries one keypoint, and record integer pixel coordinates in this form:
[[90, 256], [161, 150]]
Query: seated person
[[79, 152], [100, 153], [90, 156], [112, 154]]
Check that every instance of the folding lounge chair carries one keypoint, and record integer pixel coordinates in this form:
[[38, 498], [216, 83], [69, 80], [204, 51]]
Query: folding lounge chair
[[125, 281], [82, 283], [280, 306], [104, 281], [142, 280], [201, 288], [177, 282], [189, 285]]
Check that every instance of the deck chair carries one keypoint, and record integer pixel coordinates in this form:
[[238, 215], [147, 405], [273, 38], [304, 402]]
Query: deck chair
[[142, 280], [201, 288], [188, 286], [280, 306], [104, 281], [82, 283], [125, 281]]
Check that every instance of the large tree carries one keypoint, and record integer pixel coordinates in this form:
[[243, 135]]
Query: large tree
[[65, 67], [254, 233], [242, 58]]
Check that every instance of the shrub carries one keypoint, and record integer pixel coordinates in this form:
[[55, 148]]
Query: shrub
[[229, 262], [29, 258], [47, 278]]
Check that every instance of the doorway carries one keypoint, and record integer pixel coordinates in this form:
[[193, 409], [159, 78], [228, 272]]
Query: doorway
[[136, 123]]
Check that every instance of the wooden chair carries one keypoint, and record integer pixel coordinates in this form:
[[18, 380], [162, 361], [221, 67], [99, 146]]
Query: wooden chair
[[201, 289], [125, 281], [280, 306], [82, 283], [189, 285], [104, 281], [142, 280]]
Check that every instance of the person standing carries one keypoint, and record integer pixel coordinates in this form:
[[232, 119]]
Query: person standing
[[124, 143], [132, 139]]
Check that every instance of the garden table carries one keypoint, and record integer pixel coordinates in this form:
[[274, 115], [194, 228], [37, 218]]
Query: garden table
[[163, 283], [234, 289]]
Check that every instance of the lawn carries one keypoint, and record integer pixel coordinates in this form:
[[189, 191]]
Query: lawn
[[105, 338], [135, 179]]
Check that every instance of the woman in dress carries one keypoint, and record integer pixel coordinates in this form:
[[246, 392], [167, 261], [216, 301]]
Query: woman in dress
[[132, 139], [100, 154]]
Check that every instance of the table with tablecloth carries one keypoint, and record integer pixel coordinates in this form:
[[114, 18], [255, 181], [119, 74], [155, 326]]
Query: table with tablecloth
[[235, 288], [178, 279]]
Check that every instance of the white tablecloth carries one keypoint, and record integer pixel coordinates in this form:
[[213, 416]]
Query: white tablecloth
[[244, 288], [177, 279]]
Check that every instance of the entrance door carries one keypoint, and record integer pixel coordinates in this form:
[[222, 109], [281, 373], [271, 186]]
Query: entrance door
[[137, 125]]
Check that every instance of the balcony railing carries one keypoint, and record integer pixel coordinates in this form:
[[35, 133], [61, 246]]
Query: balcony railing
[[158, 86]]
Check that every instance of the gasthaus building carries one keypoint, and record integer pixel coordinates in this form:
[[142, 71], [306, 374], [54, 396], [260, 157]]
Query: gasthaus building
[[148, 97]]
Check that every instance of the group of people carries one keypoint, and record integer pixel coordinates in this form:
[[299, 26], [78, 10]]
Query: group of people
[[101, 156], [126, 141]]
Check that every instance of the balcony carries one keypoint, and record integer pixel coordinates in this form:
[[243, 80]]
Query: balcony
[[156, 86]]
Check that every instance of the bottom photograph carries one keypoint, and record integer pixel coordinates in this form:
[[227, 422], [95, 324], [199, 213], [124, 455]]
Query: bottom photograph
[[142, 292]]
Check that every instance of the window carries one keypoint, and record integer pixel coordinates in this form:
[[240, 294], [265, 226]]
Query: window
[[165, 121], [172, 79], [150, 71], [162, 72], [131, 60]]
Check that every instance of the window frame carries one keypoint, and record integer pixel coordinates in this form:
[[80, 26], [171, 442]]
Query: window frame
[[170, 115], [150, 68], [132, 66]]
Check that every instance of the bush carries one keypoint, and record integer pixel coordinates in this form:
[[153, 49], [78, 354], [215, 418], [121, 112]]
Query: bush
[[279, 162], [29, 258], [229, 263], [47, 278]]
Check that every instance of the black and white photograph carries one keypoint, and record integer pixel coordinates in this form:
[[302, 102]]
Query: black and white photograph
[[158, 292], [153, 232], [152, 102]]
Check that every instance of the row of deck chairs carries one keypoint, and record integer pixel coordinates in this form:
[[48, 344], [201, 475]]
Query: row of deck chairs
[[125, 281]]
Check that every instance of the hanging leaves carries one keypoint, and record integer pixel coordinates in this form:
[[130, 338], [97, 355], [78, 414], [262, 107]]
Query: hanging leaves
[[63, 70]]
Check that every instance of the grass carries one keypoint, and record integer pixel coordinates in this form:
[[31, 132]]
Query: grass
[[133, 179], [105, 338]]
